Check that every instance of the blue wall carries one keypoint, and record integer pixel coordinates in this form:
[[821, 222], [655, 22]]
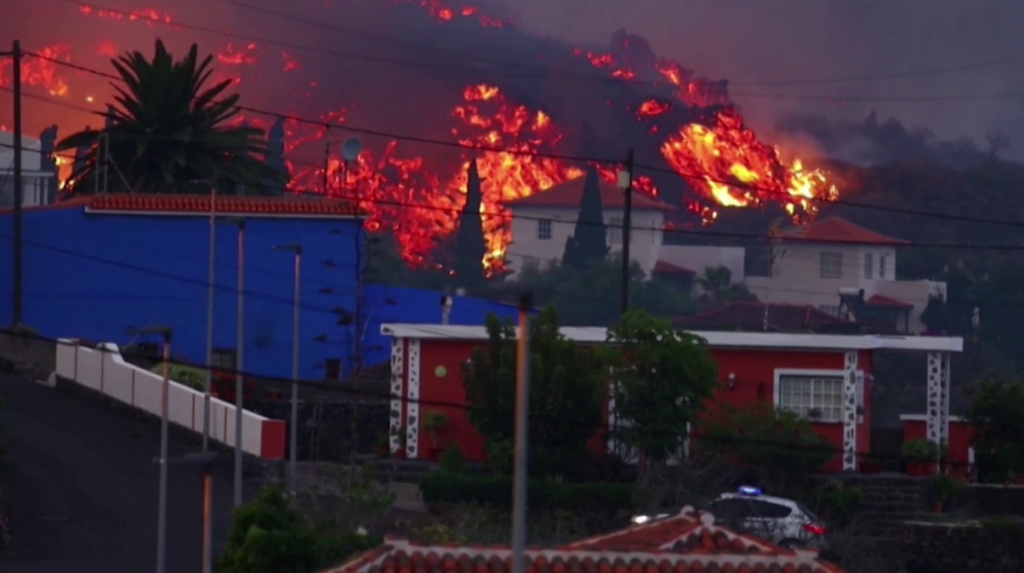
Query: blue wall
[[94, 276]]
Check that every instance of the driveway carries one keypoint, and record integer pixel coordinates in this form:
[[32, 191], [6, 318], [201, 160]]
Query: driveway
[[81, 489]]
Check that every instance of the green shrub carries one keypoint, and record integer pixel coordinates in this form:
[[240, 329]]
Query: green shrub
[[452, 460], [268, 535], [839, 502], [920, 451], [501, 457], [946, 487], [495, 491], [194, 378]]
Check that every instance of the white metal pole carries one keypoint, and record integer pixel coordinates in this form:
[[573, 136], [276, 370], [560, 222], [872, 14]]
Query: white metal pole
[[293, 441], [161, 547], [240, 376], [521, 437], [208, 387]]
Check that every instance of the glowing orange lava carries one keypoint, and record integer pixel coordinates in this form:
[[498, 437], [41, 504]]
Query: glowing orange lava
[[40, 72], [442, 11]]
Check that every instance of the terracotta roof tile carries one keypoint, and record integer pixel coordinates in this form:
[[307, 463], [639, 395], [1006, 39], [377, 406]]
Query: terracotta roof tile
[[879, 300], [570, 193], [836, 230], [666, 268], [200, 204]]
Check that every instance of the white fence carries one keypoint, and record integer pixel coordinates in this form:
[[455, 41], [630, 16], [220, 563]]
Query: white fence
[[104, 370]]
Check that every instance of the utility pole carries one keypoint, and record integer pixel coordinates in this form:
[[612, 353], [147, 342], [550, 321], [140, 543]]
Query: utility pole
[[16, 272], [626, 184], [240, 375], [521, 436]]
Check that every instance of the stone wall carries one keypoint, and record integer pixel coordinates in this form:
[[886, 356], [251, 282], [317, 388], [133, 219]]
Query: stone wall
[[996, 500], [991, 546], [30, 356]]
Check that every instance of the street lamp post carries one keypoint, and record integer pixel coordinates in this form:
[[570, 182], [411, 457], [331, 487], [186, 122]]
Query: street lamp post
[[519, 490], [161, 532], [240, 366], [293, 430]]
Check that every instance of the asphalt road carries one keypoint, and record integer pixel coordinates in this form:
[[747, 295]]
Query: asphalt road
[[81, 489]]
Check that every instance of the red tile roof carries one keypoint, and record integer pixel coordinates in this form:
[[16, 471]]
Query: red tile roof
[[879, 300], [570, 193], [749, 315], [685, 543], [666, 268], [293, 206], [836, 230]]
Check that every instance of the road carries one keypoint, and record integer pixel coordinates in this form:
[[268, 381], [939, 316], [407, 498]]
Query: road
[[81, 489]]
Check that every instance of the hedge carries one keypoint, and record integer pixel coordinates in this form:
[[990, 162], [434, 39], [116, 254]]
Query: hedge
[[440, 487]]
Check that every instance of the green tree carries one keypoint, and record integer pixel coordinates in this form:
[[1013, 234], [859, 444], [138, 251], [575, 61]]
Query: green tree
[[170, 134], [269, 536], [470, 246], [566, 391], [663, 377], [588, 243], [719, 289], [778, 446], [997, 415]]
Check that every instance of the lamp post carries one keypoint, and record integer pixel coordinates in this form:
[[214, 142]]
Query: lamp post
[[521, 436], [293, 429], [240, 366], [161, 528]]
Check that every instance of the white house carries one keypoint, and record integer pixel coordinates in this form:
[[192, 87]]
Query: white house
[[810, 265], [542, 222], [35, 178]]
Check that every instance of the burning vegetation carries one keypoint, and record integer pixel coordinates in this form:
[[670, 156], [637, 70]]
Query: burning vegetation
[[671, 116]]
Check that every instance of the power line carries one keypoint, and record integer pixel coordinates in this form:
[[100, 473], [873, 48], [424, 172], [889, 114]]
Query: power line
[[772, 193], [462, 407]]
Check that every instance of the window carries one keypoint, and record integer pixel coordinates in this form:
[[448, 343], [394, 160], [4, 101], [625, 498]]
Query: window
[[224, 359], [332, 369], [831, 265], [730, 509], [881, 266], [869, 266], [771, 510], [801, 394], [615, 230], [544, 230]]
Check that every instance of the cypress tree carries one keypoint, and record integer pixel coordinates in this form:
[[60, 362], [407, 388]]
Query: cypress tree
[[589, 242], [470, 245]]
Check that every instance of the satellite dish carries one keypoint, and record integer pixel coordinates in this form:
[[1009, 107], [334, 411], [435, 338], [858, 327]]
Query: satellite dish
[[351, 148]]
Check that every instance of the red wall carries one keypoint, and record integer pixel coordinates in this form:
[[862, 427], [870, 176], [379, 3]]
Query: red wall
[[961, 435], [755, 381]]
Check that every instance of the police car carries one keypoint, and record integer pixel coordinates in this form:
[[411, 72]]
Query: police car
[[782, 521]]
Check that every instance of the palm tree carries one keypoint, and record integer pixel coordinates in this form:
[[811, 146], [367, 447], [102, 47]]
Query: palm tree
[[169, 135]]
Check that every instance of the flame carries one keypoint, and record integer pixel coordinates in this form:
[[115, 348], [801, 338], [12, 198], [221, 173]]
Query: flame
[[441, 11], [728, 164], [233, 56], [40, 72], [150, 16]]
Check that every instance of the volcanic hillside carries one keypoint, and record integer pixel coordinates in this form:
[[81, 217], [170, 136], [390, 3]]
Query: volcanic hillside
[[429, 85]]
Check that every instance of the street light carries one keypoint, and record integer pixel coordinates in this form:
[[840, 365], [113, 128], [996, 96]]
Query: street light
[[161, 532], [240, 366], [293, 430]]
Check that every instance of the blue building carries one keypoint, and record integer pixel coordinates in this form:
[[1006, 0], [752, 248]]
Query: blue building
[[95, 267]]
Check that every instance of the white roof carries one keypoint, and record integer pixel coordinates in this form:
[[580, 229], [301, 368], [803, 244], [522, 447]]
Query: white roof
[[723, 339]]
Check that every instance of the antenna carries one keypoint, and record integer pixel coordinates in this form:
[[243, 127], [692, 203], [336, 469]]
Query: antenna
[[351, 148]]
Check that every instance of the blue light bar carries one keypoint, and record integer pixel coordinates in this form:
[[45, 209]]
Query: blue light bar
[[751, 491]]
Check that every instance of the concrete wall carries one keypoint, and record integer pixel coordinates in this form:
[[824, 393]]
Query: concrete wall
[[957, 547], [103, 370]]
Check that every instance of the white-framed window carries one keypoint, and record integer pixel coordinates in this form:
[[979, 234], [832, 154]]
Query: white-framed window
[[615, 230], [881, 266], [224, 358], [869, 266], [831, 265], [544, 230], [804, 393]]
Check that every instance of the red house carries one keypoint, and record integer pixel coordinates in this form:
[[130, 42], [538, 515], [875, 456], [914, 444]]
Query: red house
[[799, 372]]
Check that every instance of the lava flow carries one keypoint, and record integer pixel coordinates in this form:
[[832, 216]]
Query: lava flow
[[515, 132]]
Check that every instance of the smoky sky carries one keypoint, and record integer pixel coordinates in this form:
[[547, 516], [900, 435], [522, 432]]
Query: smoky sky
[[752, 41], [748, 42]]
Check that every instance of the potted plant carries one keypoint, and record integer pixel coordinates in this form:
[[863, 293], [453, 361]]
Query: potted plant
[[383, 446], [871, 465], [920, 456], [944, 488], [434, 423], [402, 442]]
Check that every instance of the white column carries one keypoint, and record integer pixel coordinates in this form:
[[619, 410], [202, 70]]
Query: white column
[[944, 399], [933, 417], [397, 393], [412, 406], [850, 412]]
